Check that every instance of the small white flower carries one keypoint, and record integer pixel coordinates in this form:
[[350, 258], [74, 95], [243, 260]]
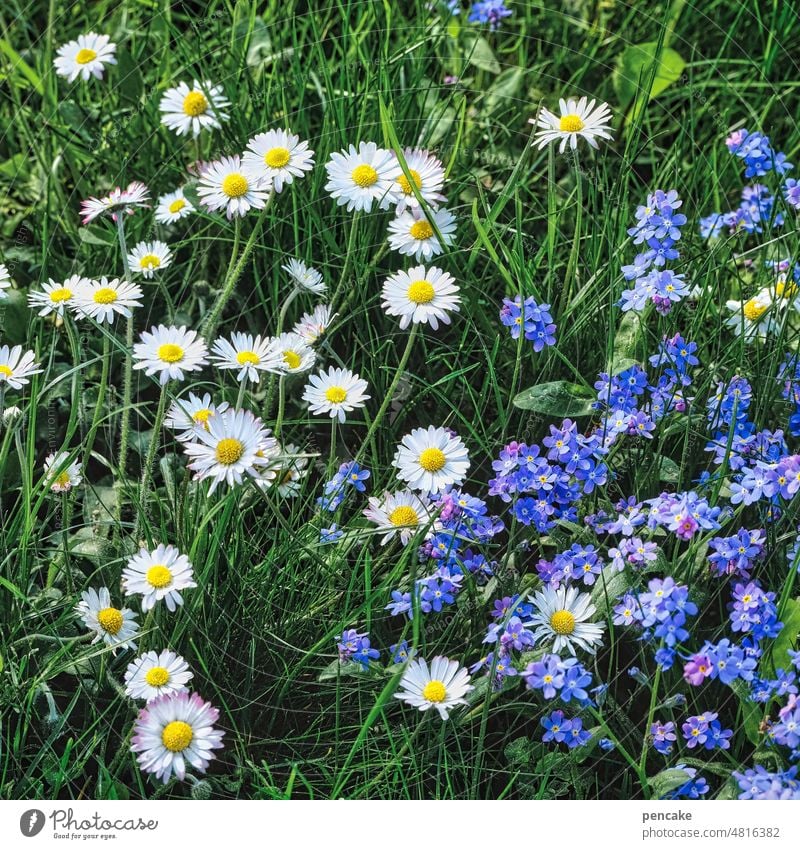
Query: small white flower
[[431, 459], [169, 352], [148, 257], [185, 415], [223, 185], [561, 615], [185, 109], [421, 296], [415, 235], [57, 297], [304, 276], [443, 686], [173, 730], [401, 513], [427, 173], [357, 177], [16, 367], [250, 355], [116, 627], [313, 325], [578, 119], [172, 207], [155, 674], [116, 202], [296, 354], [104, 299], [277, 157], [60, 474], [157, 575], [757, 317], [289, 468], [335, 392], [5, 281], [85, 57]]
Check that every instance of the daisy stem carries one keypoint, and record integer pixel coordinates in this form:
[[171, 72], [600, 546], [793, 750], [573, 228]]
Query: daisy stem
[[281, 403], [240, 393], [572, 265], [621, 749], [2, 401], [147, 468], [332, 457], [282, 315], [98, 407]]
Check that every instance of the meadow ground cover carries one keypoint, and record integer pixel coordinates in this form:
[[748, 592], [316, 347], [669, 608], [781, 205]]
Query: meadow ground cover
[[399, 400]]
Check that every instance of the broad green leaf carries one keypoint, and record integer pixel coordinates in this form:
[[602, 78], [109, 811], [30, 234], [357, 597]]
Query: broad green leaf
[[505, 88], [21, 66], [559, 399], [666, 781], [478, 52], [787, 638], [752, 713], [635, 67], [669, 471]]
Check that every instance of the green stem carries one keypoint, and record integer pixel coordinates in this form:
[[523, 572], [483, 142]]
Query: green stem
[[98, 407], [281, 403], [572, 265], [284, 309], [615, 740], [650, 714], [147, 469]]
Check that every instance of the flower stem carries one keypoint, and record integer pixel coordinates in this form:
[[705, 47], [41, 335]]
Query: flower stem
[[147, 468], [281, 404]]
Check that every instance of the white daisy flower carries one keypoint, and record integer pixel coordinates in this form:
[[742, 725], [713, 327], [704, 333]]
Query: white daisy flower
[[429, 460], [294, 350], [185, 415], [578, 119], [173, 730], [235, 444], [185, 109], [116, 202], [401, 513], [357, 177], [157, 575], [421, 296], [427, 173], [172, 207], [60, 474], [57, 297], [443, 686], [290, 468], [5, 281], [116, 627], [155, 674], [277, 157], [415, 235], [148, 257], [85, 57], [249, 354], [103, 299], [16, 367], [305, 277], [313, 325], [756, 317], [169, 352], [561, 615], [335, 392], [223, 185]]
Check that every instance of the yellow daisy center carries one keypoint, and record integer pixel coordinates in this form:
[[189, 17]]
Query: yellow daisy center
[[85, 55], [404, 183], [177, 736], [157, 676], [229, 451], [421, 292], [105, 295], [754, 309], [421, 230], [158, 576], [62, 480], [234, 185], [110, 620], [434, 691], [562, 622], [335, 394], [570, 124], [248, 358], [364, 176], [277, 157], [432, 459], [170, 353], [6, 371], [195, 104], [291, 358], [58, 296], [786, 289], [404, 515], [150, 261], [177, 205], [202, 416]]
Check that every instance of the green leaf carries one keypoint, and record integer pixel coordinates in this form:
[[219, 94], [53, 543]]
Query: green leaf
[[635, 69], [505, 89], [787, 638], [559, 399], [20, 65], [479, 53], [752, 713], [669, 471], [666, 781]]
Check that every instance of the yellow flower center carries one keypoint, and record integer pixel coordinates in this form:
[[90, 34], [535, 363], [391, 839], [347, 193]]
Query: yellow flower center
[[157, 676], [110, 620], [421, 230], [177, 205], [229, 451], [58, 296], [570, 124], [335, 394], [105, 295], [195, 104], [404, 183], [786, 288], [277, 157], [421, 292], [170, 353], [291, 358], [158, 576], [150, 261], [404, 515], [248, 358], [202, 416], [234, 185], [85, 55], [754, 309], [432, 459], [562, 622], [177, 736], [364, 176], [6, 371], [62, 480], [434, 691]]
